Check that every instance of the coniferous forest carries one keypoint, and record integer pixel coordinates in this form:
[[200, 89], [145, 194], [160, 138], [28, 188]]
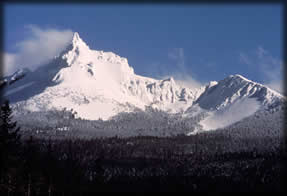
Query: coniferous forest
[[204, 162]]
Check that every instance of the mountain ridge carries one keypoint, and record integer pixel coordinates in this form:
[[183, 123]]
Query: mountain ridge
[[98, 84]]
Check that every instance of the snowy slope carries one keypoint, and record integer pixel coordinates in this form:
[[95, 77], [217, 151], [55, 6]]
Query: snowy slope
[[95, 84], [234, 88], [233, 99], [98, 84], [19, 74]]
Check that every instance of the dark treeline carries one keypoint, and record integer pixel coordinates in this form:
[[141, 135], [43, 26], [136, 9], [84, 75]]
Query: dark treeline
[[203, 162], [45, 167]]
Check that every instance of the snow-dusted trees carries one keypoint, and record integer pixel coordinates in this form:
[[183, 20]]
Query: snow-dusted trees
[[8, 129], [9, 147]]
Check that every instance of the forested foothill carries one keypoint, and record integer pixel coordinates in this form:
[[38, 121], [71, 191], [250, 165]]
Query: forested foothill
[[228, 159]]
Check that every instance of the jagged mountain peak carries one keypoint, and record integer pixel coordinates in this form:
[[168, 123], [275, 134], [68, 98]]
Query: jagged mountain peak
[[234, 88], [236, 78], [102, 84], [77, 41], [170, 79], [76, 36], [241, 80], [77, 52]]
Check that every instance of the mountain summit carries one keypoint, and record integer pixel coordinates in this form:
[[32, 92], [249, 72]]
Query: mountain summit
[[77, 41], [234, 88], [98, 84]]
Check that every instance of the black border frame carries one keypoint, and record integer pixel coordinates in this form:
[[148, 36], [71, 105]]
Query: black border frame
[[203, 2]]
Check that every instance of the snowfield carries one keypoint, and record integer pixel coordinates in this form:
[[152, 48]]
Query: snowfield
[[100, 85]]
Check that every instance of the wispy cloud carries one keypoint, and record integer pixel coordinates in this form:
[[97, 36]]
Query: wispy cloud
[[176, 55], [268, 65], [9, 63], [41, 46], [236, 112], [180, 72], [243, 58], [261, 52]]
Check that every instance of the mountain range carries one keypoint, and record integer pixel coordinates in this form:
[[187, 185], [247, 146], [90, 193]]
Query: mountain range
[[97, 84]]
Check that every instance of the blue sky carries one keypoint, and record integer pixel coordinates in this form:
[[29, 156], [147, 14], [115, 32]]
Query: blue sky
[[204, 42]]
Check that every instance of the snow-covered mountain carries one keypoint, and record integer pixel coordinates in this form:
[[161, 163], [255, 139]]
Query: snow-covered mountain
[[220, 94], [98, 84], [19, 74]]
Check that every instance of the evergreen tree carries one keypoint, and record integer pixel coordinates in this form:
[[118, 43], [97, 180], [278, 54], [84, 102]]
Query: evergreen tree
[[9, 143], [8, 129]]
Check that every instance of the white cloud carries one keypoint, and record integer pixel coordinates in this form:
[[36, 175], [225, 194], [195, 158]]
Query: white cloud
[[269, 66], [261, 52], [180, 72], [41, 46], [9, 63], [244, 59], [184, 80], [276, 85], [234, 113], [177, 54]]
